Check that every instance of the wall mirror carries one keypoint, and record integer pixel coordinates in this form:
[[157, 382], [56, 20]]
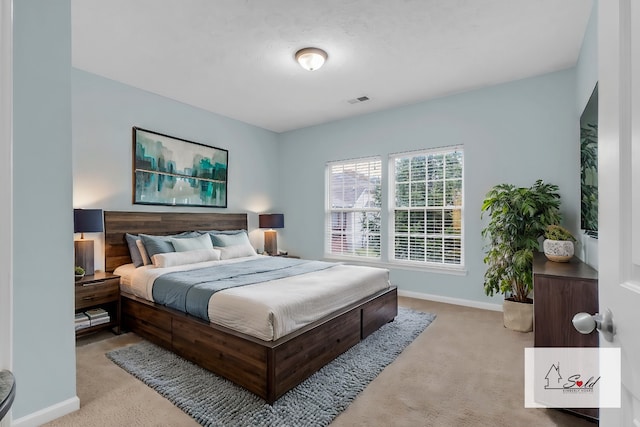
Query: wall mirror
[[589, 166]]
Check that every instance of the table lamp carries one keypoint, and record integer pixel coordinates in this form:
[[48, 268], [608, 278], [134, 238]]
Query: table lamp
[[271, 221], [86, 221]]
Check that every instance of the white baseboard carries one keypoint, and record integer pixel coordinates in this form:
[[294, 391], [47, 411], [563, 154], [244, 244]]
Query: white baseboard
[[451, 300], [48, 414]]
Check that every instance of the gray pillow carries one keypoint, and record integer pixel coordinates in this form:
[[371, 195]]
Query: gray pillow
[[221, 231], [224, 240], [212, 233], [162, 244], [136, 256]]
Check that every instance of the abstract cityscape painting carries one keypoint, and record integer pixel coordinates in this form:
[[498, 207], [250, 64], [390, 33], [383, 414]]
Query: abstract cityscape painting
[[172, 171]]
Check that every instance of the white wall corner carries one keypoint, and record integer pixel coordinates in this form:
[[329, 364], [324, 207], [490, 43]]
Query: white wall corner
[[48, 414], [450, 300]]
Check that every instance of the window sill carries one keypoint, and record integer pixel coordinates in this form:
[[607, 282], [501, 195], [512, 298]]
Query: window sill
[[455, 271]]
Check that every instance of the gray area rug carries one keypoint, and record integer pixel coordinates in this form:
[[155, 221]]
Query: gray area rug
[[215, 401]]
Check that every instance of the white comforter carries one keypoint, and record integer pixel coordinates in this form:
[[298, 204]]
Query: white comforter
[[273, 309]]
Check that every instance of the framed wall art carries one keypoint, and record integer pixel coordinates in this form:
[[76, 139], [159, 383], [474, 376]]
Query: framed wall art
[[172, 171]]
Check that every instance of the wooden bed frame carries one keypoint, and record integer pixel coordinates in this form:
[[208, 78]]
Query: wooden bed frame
[[268, 369]]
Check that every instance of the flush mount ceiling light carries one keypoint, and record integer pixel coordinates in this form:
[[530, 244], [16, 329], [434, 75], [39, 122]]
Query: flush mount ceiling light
[[311, 58]]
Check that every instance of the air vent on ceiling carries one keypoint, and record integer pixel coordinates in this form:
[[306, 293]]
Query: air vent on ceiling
[[357, 100]]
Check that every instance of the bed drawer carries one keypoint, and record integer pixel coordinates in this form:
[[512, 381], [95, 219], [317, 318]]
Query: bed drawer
[[298, 358], [237, 359], [154, 325], [378, 312]]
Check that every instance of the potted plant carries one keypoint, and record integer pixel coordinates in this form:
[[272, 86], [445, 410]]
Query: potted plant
[[518, 217], [79, 272], [558, 243]]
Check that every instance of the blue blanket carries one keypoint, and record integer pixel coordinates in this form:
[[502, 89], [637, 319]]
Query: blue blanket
[[189, 291]]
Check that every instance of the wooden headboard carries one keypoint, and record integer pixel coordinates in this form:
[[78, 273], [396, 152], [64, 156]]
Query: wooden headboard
[[117, 224]]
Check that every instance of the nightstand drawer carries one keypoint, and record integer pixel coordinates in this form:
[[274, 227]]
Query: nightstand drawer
[[101, 292]]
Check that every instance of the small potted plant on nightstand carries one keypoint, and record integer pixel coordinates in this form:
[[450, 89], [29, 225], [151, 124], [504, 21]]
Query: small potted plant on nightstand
[[558, 244], [79, 272]]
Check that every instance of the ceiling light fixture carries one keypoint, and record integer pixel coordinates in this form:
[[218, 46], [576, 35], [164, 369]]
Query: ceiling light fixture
[[311, 58]]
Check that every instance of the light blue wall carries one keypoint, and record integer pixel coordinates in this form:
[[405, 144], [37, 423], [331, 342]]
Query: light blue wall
[[104, 111], [587, 65], [43, 302], [586, 79], [515, 133]]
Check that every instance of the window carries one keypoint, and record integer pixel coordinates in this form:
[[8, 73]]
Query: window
[[353, 207], [426, 207]]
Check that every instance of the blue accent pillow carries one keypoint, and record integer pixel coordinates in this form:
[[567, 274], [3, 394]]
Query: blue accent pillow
[[136, 256], [225, 240], [162, 244], [212, 233]]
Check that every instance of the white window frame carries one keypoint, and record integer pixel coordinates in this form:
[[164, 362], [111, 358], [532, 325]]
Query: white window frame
[[392, 207], [330, 210]]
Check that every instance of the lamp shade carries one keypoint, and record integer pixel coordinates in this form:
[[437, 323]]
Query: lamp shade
[[271, 221], [87, 221]]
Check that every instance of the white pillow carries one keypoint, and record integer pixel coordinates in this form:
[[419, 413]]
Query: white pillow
[[171, 259], [192, 244], [143, 252], [235, 251]]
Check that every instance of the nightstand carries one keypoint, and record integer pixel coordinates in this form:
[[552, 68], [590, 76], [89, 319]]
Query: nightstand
[[97, 294]]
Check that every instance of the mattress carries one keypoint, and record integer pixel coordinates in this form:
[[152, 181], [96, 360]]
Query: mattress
[[270, 310]]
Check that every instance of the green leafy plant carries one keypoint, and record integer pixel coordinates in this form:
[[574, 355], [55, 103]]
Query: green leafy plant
[[558, 232], [79, 271], [589, 177], [518, 216]]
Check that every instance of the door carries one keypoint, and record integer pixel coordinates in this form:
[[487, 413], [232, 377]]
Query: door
[[619, 193]]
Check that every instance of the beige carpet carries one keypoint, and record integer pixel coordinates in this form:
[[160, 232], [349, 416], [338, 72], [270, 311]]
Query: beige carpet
[[466, 369]]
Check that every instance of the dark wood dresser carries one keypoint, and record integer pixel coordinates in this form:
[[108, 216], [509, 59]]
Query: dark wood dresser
[[560, 290]]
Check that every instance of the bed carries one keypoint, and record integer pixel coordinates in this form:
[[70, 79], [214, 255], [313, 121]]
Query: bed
[[266, 365]]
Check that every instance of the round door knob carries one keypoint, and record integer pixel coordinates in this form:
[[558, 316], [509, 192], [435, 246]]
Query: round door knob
[[585, 323]]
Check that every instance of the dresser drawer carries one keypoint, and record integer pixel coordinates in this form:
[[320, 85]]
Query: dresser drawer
[[101, 292]]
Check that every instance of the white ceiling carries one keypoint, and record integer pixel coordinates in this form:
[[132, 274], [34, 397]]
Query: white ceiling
[[236, 57]]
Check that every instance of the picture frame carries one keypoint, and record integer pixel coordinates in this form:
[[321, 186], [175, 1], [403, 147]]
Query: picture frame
[[172, 171]]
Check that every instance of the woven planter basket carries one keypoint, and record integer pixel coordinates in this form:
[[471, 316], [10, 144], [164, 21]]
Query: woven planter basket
[[518, 316]]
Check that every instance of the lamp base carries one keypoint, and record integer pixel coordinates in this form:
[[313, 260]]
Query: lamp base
[[84, 255], [271, 242]]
